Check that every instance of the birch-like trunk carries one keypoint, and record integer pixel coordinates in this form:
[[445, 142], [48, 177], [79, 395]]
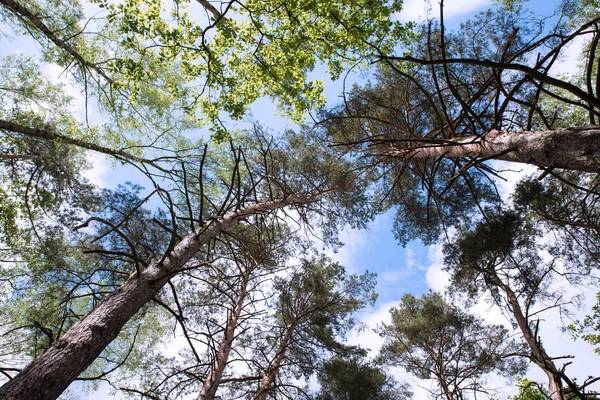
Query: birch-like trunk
[[213, 379], [572, 148], [56, 368]]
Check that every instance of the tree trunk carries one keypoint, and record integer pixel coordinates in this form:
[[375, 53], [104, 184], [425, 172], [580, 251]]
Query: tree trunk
[[541, 358], [269, 376], [572, 148], [213, 379], [56, 368]]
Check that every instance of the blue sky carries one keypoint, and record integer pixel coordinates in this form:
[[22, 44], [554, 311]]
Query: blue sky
[[414, 269]]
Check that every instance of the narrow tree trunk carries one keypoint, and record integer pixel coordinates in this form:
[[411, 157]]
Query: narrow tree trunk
[[440, 367], [56, 368], [269, 375], [541, 358], [213, 379], [50, 135], [572, 148]]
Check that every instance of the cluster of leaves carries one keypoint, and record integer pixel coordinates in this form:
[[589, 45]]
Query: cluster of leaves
[[248, 50], [353, 378]]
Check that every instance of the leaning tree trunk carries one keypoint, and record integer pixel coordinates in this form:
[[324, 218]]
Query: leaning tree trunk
[[213, 379], [56, 368], [540, 356], [571, 148], [268, 379]]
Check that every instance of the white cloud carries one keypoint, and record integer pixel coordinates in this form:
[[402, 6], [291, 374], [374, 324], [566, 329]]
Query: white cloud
[[435, 254], [437, 279], [410, 258], [415, 10], [355, 242], [401, 273], [570, 61], [367, 338], [490, 313], [97, 173], [512, 174]]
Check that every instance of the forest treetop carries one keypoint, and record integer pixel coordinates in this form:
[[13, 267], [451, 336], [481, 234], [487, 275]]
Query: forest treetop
[[92, 280], [206, 62]]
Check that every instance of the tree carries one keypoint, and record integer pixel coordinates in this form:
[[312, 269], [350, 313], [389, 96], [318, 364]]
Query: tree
[[221, 357], [247, 50], [314, 308], [275, 346], [137, 70], [436, 340], [268, 184], [216, 307], [470, 99], [432, 118], [353, 379], [566, 207], [435, 116], [224, 59], [149, 73], [500, 257]]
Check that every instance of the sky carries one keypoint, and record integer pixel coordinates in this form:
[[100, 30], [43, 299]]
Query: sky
[[412, 269], [416, 269]]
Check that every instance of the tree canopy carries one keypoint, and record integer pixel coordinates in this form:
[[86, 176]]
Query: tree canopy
[[215, 252]]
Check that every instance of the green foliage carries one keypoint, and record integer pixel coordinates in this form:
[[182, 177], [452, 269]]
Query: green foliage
[[150, 71], [352, 378], [249, 50], [499, 247], [55, 278], [320, 296], [589, 328], [566, 207], [436, 340], [529, 390], [314, 309]]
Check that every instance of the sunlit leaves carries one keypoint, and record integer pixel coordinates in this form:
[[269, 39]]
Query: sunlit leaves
[[251, 49]]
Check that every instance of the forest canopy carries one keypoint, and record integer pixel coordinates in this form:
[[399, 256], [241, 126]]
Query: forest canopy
[[209, 265]]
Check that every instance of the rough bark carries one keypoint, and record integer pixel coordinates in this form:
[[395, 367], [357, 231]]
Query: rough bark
[[571, 148], [54, 370], [213, 379]]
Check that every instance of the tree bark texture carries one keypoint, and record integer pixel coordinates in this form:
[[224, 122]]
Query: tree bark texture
[[55, 369], [571, 148]]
